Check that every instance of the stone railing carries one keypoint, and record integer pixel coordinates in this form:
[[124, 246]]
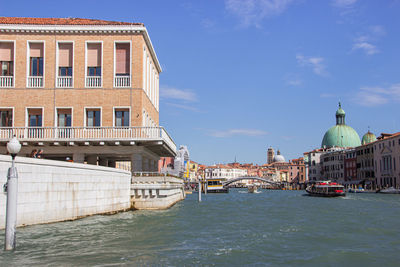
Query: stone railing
[[6, 81], [64, 81], [122, 81], [87, 134], [93, 81], [35, 81]]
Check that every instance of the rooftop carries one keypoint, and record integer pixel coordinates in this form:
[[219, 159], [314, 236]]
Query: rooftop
[[61, 21]]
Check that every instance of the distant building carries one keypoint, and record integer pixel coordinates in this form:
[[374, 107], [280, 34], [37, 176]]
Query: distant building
[[387, 160], [332, 164], [270, 155], [224, 171], [177, 166], [297, 171], [350, 166]]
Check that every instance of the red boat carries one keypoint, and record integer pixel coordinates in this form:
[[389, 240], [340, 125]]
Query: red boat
[[326, 189]]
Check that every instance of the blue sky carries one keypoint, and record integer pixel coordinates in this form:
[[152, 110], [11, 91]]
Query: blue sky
[[242, 75]]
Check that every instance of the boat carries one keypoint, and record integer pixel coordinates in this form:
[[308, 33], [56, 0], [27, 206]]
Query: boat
[[326, 189], [252, 189], [357, 190], [390, 190], [216, 186]]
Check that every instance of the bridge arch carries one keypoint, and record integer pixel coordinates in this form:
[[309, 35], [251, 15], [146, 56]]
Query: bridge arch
[[249, 178]]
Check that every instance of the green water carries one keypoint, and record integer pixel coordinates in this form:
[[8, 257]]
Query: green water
[[275, 228]]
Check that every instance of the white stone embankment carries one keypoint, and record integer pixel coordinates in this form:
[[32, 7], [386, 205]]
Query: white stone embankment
[[156, 192], [52, 191]]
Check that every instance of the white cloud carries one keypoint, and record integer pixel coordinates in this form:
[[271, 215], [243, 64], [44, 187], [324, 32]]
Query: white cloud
[[366, 42], [375, 96], [252, 12], [316, 63], [344, 3], [368, 48], [183, 106], [326, 95], [177, 94], [237, 132]]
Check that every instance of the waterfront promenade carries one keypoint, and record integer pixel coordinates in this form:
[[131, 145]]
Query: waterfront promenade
[[272, 228]]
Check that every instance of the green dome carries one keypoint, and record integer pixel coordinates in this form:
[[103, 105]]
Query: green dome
[[341, 136], [340, 111], [368, 138]]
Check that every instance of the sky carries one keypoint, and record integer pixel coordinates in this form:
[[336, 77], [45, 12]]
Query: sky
[[242, 75]]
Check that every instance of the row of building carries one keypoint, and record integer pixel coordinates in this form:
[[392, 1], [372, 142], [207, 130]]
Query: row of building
[[343, 157]]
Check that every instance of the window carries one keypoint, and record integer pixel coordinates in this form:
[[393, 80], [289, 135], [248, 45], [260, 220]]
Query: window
[[122, 59], [6, 58], [93, 118], [36, 59], [36, 64], [65, 59], [94, 71], [94, 59], [121, 117], [5, 117], [64, 117], [35, 117]]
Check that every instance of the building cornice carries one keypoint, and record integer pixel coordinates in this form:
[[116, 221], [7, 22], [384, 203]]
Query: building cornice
[[88, 29]]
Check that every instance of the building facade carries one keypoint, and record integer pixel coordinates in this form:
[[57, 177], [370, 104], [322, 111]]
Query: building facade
[[84, 89], [386, 160]]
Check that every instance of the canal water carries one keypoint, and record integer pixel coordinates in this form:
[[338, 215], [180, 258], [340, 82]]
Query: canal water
[[267, 229]]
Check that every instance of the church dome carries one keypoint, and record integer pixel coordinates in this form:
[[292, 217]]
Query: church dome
[[341, 135], [368, 138], [279, 157]]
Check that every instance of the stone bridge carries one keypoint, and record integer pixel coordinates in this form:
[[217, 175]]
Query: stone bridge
[[249, 178]]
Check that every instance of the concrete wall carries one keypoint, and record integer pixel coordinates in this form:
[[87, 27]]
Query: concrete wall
[[157, 192], [51, 191]]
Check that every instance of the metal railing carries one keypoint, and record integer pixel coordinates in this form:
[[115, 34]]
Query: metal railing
[[87, 134], [6, 81], [35, 81], [93, 81], [64, 81], [122, 81]]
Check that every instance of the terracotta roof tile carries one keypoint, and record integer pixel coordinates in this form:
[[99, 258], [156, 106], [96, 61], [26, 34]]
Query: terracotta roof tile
[[60, 21]]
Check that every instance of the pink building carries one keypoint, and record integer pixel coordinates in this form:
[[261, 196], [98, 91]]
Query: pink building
[[387, 160]]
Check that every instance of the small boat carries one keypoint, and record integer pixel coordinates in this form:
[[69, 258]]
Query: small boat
[[216, 186], [357, 190], [390, 190], [252, 189], [326, 189]]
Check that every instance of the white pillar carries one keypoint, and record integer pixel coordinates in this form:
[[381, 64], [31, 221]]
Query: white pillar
[[78, 157]]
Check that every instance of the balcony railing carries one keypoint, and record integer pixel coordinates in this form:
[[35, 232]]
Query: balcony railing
[[35, 81], [122, 81], [93, 81], [6, 81], [64, 82], [53, 134]]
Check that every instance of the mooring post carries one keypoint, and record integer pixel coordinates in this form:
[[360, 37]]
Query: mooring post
[[199, 190], [205, 186], [11, 188]]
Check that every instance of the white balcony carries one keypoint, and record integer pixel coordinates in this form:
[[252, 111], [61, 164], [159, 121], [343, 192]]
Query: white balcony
[[64, 82], [93, 81], [6, 81], [155, 136], [35, 81], [122, 81]]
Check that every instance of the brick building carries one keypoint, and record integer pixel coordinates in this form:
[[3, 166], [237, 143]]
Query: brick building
[[81, 88]]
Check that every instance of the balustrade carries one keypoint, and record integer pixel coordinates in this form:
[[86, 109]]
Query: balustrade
[[64, 81], [122, 81], [35, 81], [6, 81], [93, 81]]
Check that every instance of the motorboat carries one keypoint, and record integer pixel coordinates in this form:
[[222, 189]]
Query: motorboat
[[325, 189], [356, 190], [390, 190]]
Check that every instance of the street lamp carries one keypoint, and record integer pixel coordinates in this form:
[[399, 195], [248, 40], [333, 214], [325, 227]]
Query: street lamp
[[13, 148]]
